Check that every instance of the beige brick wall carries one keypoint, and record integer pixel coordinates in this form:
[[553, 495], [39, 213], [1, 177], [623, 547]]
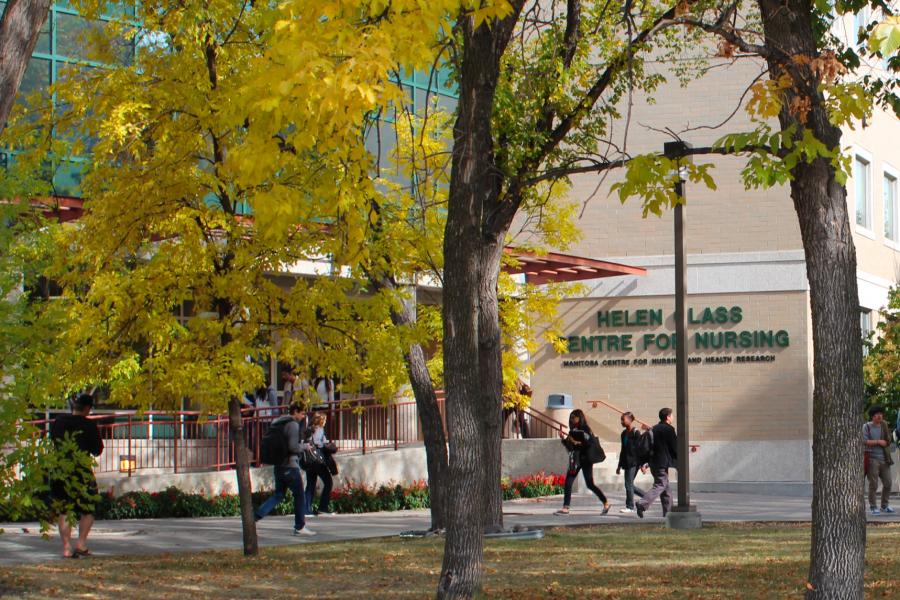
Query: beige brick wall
[[730, 219], [880, 139], [733, 402]]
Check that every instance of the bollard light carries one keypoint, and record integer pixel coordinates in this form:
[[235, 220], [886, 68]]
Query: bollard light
[[127, 463]]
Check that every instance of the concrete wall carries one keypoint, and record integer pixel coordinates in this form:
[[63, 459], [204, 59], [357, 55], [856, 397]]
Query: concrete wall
[[717, 467], [520, 457]]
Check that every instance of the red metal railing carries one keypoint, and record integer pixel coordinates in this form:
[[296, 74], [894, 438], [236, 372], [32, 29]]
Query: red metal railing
[[187, 441]]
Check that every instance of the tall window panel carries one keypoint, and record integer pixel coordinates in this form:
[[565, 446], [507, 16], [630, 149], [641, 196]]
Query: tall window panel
[[889, 201], [62, 50], [861, 168]]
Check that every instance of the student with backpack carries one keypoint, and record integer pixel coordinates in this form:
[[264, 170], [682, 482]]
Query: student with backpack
[[584, 450], [663, 441], [281, 447], [629, 460]]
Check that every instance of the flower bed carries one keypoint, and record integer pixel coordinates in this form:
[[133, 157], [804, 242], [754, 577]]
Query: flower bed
[[351, 498]]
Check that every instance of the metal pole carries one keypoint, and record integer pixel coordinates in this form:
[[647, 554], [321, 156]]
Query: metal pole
[[130, 435], [176, 423], [679, 151], [395, 422], [362, 429], [681, 365]]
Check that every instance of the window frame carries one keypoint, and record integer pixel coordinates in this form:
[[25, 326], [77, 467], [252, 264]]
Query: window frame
[[866, 327], [889, 172], [867, 230]]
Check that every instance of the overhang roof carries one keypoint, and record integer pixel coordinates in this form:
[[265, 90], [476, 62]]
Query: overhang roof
[[557, 268], [552, 267]]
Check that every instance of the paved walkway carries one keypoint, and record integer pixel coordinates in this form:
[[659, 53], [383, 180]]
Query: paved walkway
[[22, 542]]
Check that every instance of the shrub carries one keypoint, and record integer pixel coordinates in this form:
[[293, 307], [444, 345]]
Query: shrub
[[350, 498]]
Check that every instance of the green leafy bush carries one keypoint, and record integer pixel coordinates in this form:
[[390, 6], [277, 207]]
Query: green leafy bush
[[350, 498]]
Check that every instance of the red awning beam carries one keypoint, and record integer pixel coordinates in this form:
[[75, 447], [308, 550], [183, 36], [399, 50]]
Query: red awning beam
[[554, 267]]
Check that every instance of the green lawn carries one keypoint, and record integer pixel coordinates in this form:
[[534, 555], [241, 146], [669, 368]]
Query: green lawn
[[638, 561]]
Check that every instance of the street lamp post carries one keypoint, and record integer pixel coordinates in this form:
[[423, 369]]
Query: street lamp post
[[683, 515]]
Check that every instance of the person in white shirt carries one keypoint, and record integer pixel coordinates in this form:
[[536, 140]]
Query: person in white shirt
[[319, 470]]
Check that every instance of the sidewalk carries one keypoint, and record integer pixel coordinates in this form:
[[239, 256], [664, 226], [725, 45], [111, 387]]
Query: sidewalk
[[22, 542]]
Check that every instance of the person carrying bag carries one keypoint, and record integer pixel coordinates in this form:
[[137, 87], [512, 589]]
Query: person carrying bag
[[584, 451]]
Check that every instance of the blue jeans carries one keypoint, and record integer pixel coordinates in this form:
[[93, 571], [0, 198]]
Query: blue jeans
[[287, 478], [630, 490]]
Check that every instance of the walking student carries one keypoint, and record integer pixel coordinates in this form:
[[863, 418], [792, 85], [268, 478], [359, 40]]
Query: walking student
[[665, 456], [577, 443], [74, 489], [877, 438], [317, 471], [287, 474], [629, 461]]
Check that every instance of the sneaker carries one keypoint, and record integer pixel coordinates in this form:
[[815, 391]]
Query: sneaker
[[305, 531], [324, 513], [888, 510], [626, 511], [640, 510], [875, 512]]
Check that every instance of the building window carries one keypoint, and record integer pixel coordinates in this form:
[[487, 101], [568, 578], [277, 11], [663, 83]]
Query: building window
[[863, 193], [865, 327], [889, 196]]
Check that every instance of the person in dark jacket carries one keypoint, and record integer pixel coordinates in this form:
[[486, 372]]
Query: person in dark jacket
[[287, 474], [628, 460], [76, 438], [665, 456], [576, 442]]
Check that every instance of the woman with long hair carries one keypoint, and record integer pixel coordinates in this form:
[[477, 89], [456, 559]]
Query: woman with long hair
[[319, 470], [577, 442]]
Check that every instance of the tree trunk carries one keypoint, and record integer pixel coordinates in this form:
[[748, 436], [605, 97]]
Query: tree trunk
[[837, 554], [19, 30], [473, 183], [241, 452], [490, 405], [472, 245], [245, 488], [463, 548], [429, 417]]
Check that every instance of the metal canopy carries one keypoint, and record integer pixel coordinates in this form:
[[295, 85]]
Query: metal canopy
[[557, 268]]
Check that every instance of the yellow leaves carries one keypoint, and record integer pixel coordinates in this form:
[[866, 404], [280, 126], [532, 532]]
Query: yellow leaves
[[885, 38], [766, 97], [488, 12]]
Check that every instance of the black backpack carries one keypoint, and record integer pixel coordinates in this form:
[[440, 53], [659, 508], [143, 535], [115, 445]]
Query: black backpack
[[273, 448], [644, 447]]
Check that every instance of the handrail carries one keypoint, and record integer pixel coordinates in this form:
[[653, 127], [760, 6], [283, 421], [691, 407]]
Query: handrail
[[545, 419], [594, 403], [183, 441]]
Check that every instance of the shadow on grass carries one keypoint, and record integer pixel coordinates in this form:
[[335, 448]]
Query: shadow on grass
[[637, 561]]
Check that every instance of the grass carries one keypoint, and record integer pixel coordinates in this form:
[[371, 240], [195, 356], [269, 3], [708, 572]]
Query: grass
[[624, 561]]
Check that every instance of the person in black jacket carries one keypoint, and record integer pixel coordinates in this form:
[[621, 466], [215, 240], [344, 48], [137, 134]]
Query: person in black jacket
[[629, 461], [75, 436], [576, 442], [665, 456]]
